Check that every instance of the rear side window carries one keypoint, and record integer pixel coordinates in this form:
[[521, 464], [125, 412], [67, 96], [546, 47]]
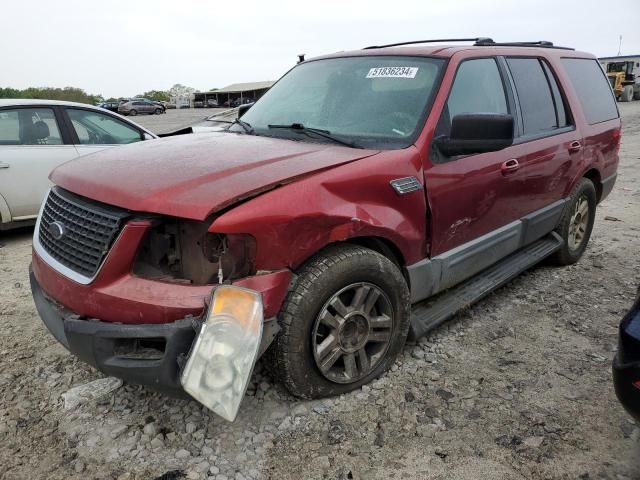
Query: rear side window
[[535, 96], [592, 88], [29, 126]]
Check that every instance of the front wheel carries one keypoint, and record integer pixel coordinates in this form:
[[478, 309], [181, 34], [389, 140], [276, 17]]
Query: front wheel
[[343, 323], [158, 111], [576, 223], [627, 93]]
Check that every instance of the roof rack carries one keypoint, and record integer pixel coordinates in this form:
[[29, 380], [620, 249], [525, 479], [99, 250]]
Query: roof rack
[[487, 42], [437, 40], [478, 42]]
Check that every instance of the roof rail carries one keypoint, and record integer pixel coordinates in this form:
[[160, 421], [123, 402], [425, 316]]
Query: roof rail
[[487, 42], [478, 42], [437, 40]]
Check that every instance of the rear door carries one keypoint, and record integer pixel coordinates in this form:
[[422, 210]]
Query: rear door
[[547, 142], [32, 143]]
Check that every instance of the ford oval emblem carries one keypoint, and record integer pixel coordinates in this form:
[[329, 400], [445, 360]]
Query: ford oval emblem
[[57, 230]]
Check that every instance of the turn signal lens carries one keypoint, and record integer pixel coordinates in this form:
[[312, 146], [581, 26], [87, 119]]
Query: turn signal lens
[[225, 351]]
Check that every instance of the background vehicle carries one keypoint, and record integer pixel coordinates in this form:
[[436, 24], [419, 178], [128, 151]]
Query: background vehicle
[[360, 185], [624, 80], [111, 106], [134, 107], [626, 364], [38, 135]]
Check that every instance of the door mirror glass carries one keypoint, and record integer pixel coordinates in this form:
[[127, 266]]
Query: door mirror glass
[[477, 133]]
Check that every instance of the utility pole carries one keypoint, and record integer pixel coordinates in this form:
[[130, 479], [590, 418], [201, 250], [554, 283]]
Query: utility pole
[[620, 46]]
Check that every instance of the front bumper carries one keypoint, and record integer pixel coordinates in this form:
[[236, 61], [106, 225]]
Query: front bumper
[[624, 376], [122, 350]]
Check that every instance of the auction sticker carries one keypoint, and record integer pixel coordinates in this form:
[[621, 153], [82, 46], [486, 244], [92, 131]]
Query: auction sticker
[[393, 72]]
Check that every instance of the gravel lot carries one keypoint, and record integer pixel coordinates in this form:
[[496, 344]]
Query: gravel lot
[[174, 119], [517, 387]]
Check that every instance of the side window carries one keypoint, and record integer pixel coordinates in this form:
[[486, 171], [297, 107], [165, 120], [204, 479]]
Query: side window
[[534, 95], [593, 89], [558, 100], [95, 128], [29, 126], [477, 88]]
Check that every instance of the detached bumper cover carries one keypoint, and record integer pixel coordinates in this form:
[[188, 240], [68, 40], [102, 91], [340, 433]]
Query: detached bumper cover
[[110, 347]]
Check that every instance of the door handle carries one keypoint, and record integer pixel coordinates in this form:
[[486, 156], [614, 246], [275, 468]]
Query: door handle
[[510, 166], [575, 146], [4, 165]]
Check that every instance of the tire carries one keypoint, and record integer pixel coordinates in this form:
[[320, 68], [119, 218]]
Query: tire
[[636, 95], [158, 111], [572, 218], [627, 94], [133, 113], [309, 320]]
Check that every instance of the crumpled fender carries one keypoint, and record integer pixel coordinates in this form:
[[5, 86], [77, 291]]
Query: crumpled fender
[[295, 221]]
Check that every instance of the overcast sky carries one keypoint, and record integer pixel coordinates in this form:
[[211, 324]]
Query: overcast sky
[[122, 48]]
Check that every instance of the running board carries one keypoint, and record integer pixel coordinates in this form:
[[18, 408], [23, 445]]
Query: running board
[[427, 315]]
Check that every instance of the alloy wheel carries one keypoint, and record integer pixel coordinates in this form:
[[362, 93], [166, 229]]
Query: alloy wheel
[[579, 223], [352, 332]]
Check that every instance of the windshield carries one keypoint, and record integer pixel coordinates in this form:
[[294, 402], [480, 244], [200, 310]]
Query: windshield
[[371, 101]]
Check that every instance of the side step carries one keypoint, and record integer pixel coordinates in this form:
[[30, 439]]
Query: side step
[[427, 315]]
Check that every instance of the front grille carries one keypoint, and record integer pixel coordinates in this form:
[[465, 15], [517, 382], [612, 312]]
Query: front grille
[[83, 231]]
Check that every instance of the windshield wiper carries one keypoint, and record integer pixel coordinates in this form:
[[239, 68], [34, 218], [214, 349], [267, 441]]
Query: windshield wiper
[[245, 125], [322, 133]]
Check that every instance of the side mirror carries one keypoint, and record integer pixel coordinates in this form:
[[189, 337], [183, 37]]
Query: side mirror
[[477, 133], [242, 109]]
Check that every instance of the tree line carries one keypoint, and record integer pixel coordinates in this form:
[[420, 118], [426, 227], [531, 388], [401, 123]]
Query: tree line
[[73, 94]]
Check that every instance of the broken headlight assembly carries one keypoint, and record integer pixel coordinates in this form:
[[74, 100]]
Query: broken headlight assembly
[[224, 353], [184, 251]]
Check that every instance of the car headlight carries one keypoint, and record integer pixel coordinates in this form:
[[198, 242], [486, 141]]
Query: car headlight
[[221, 360]]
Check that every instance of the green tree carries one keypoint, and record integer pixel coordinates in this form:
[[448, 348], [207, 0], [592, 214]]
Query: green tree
[[156, 95], [71, 94]]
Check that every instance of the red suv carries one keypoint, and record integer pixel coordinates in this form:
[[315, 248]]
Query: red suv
[[366, 196]]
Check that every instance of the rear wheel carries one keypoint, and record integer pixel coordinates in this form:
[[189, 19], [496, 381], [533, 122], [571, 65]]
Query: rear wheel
[[343, 323], [636, 95], [133, 113], [576, 223], [627, 93]]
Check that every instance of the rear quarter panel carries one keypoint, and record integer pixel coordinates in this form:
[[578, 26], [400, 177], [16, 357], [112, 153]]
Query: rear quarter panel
[[295, 221]]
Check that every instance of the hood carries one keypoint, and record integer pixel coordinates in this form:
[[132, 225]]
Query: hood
[[192, 176]]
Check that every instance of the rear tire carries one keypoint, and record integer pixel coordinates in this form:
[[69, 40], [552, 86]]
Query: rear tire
[[133, 113], [627, 94], [576, 223], [636, 96], [343, 322]]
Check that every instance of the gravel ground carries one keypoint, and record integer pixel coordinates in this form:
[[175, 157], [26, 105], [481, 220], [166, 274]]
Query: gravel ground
[[174, 119], [516, 387]]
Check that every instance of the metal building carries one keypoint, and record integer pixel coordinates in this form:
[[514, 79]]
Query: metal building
[[231, 95]]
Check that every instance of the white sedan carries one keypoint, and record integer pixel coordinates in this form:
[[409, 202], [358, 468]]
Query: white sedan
[[38, 135]]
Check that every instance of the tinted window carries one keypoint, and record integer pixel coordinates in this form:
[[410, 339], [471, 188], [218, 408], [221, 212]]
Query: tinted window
[[534, 95], [477, 88], [592, 88], [94, 128], [29, 126], [558, 99]]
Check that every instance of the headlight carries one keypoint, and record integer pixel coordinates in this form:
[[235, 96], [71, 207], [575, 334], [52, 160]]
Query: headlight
[[223, 355]]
